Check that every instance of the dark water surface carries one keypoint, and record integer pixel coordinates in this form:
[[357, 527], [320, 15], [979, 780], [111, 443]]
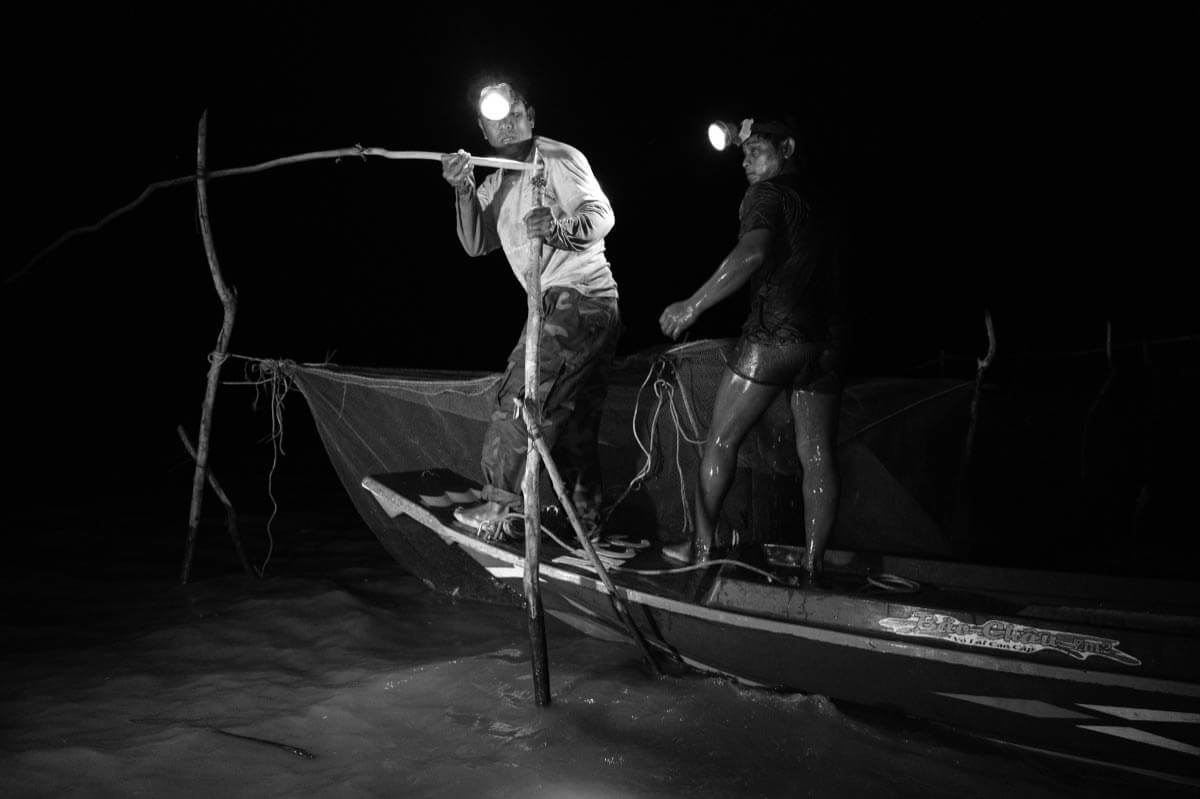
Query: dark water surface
[[340, 675]]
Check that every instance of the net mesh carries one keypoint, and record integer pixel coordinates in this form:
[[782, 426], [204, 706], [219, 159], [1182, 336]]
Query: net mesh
[[899, 444]]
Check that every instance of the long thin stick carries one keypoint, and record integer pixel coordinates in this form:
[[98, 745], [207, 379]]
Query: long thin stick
[[357, 151], [230, 514], [981, 367], [960, 522], [560, 488], [530, 488], [229, 303], [1096, 403]]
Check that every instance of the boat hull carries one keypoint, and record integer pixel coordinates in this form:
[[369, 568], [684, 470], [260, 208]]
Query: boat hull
[[1128, 721], [1120, 696]]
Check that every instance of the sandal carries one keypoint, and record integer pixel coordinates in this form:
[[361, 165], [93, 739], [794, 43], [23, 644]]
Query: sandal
[[487, 526]]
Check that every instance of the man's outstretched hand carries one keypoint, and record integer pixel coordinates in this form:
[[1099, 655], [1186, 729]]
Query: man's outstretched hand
[[677, 318]]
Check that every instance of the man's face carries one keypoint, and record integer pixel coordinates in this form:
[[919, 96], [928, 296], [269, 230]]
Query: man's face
[[762, 160], [510, 133]]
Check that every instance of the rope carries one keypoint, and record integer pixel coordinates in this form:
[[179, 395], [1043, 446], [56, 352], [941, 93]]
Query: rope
[[271, 375], [502, 528], [665, 393], [770, 577], [894, 584], [891, 583], [280, 385], [905, 409], [636, 483], [579, 553], [683, 394], [424, 387], [662, 386]]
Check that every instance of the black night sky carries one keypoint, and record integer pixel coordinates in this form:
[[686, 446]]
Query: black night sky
[[1026, 162]]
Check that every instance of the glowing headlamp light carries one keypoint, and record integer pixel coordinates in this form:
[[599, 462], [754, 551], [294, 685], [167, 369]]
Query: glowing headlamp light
[[725, 134], [495, 101]]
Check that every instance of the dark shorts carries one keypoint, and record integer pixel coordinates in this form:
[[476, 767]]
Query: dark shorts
[[797, 365]]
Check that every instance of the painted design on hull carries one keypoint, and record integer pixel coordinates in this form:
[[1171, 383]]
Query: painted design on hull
[[1008, 636], [1044, 710]]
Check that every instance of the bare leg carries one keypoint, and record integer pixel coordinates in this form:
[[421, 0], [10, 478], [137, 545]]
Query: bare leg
[[815, 416], [739, 404]]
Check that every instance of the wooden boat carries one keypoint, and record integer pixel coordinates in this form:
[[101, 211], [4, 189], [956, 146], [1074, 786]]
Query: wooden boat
[[1032, 659], [1099, 668]]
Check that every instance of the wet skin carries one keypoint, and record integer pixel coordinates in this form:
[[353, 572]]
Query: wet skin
[[762, 160], [740, 403]]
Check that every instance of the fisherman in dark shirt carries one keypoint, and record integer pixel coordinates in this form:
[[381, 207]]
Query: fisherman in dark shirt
[[792, 339]]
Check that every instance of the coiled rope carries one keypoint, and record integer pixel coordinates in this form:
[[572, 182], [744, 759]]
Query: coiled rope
[[664, 393]]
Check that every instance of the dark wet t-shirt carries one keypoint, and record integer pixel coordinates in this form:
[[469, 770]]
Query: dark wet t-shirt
[[796, 292]]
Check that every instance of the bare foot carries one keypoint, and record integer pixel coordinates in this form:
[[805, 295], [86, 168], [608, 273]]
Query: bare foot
[[681, 551], [689, 551]]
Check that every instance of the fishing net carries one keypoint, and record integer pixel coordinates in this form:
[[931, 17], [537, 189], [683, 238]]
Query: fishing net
[[899, 445]]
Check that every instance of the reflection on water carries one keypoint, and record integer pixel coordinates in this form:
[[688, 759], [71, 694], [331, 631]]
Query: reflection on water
[[339, 675]]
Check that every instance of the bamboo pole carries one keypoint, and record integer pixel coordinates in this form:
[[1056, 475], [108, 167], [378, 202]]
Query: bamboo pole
[[560, 488], [530, 488], [217, 359], [230, 514]]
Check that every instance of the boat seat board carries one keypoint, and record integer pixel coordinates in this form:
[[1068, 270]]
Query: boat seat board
[[430, 496]]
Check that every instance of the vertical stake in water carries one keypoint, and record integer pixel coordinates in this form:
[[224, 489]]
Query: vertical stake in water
[[533, 520], [960, 523], [229, 303]]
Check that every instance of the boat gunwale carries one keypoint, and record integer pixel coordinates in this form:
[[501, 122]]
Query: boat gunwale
[[859, 638]]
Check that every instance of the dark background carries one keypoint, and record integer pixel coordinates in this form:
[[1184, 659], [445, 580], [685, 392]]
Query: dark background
[[1033, 163]]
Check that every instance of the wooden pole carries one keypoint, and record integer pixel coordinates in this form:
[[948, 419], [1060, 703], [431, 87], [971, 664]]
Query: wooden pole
[[961, 512], [1096, 403], [357, 151], [530, 488], [560, 488], [230, 514], [1141, 504], [217, 359], [981, 367]]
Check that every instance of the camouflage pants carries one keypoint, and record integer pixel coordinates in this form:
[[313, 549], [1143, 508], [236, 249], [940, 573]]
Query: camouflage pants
[[578, 342]]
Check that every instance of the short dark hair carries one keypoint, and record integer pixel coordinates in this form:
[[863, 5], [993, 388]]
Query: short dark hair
[[775, 127]]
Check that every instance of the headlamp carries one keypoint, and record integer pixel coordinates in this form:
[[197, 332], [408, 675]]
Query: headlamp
[[495, 101], [726, 134]]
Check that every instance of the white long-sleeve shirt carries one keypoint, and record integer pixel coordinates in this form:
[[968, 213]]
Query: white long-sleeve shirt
[[574, 257]]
